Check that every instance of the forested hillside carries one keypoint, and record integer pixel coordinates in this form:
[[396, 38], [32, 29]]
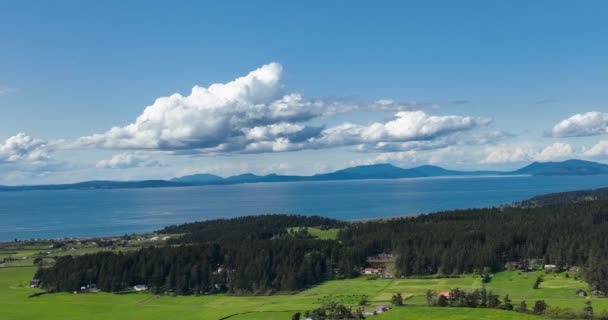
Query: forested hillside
[[258, 255], [246, 255], [246, 228], [467, 240], [565, 197]]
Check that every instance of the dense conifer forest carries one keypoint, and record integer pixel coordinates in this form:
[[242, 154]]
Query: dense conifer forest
[[565, 197], [257, 254]]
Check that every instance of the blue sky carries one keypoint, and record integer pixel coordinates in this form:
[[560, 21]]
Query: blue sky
[[476, 84]]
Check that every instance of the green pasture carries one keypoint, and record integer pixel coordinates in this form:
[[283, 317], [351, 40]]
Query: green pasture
[[327, 234], [557, 290]]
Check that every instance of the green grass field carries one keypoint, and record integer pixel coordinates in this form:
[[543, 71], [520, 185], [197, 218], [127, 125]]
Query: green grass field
[[557, 290], [328, 234]]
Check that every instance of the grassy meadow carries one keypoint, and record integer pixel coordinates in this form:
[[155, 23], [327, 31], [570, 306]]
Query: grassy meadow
[[556, 290], [321, 234]]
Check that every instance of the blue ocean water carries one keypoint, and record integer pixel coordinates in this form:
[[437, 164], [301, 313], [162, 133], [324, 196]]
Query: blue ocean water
[[83, 213]]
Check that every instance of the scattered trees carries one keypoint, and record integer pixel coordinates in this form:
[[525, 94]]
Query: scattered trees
[[506, 305], [397, 299], [539, 307], [523, 307], [588, 310], [334, 311]]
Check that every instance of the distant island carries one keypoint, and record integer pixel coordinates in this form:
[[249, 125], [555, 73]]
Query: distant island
[[366, 172]]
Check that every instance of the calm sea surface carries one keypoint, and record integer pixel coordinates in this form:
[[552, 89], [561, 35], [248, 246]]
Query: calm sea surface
[[76, 213]]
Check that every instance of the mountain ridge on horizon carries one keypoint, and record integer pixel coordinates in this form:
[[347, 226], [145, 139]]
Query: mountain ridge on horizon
[[363, 172]]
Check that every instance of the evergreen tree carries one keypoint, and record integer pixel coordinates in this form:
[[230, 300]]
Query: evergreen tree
[[429, 297], [486, 275], [523, 307], [506, 305], [539, 307], [363, 300], [397, 299], [493, 301], [588, 310], [442, 301], [483, 300]]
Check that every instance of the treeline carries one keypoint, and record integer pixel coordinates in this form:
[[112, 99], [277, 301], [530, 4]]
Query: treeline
[[466, 241], [245, 267], [481, 298], [247, 255], [257, 254], [246, 228], [565, 197]]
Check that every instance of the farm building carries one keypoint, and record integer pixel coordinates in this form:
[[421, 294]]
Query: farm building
[[35, 283], [140, 287], [374, 271]]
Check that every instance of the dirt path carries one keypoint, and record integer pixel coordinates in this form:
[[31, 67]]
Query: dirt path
[[248, 312], [149, 299]]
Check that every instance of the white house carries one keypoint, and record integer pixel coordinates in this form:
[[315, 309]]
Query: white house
[[140, 287]]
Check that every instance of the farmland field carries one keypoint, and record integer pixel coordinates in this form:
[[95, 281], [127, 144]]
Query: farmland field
[[322, 234], [557, 290]]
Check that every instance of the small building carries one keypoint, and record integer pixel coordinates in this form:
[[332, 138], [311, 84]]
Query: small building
[[89, 288], [382, 308], [550, 266], [513, 265], [581, 292], [140, 287], [574, 269], [369, 313], [35, 283], [372, 271], [446, 294]]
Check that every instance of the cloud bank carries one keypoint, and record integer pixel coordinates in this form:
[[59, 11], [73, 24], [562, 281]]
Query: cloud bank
[[127, 160], [518, 153], [252, 114], [22, 147], [598, 150], [580, 125]]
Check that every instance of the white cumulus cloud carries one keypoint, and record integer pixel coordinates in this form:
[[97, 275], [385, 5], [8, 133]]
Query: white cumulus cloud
[[252, 114], [127, 160], [579, 125], [556, 151], [526, 152], [22, 147], [600, 149], [410, 128], [504, 153]]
